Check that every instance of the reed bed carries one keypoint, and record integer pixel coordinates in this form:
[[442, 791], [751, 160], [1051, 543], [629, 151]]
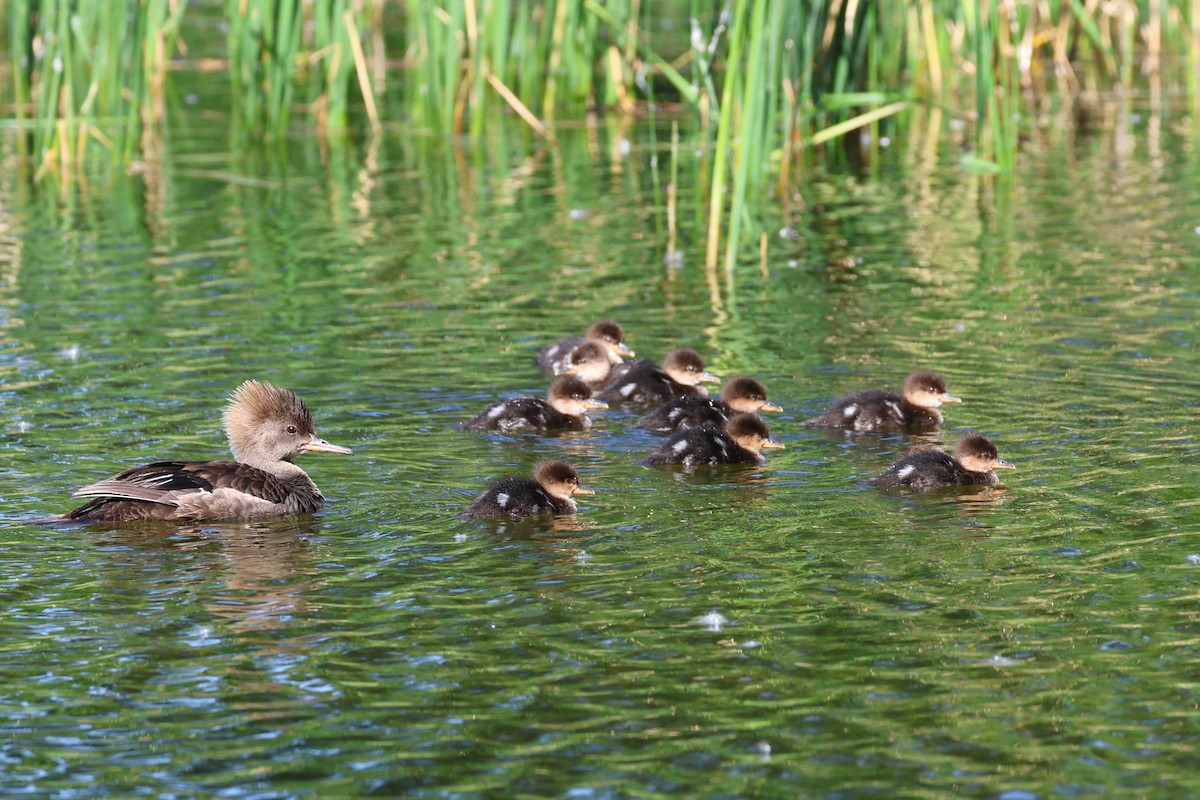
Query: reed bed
[[761, 88]]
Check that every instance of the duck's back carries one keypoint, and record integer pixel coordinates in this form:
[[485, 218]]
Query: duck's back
[[196, 490], [686, 412], [929, 468], [523, 413], [876, 409], [697, 447], [515, 497], [645, 382]]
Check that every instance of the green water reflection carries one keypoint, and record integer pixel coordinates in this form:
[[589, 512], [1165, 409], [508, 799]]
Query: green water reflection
[[779, 631]]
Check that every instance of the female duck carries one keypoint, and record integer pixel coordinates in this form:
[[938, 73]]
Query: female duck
[[878, 410], [741, 442], [606, 333], [680, 375], [740, 396], [973, 463], [548, 492], [266, 426], [564, 409]]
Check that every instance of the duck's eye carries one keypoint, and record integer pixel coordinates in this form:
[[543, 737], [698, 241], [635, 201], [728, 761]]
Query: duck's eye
[[291, 429]]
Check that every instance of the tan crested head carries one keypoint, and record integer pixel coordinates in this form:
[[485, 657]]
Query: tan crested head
[[266, 424]]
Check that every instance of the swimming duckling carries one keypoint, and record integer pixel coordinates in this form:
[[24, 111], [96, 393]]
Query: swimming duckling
[[589, 363], [548, 492], [740, 396], [741, 442], [266, 426], [606, 333], [927, 468], [643, 381], [878, 410], [568, 401]]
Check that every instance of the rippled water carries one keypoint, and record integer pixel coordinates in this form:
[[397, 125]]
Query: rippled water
[[779, 631]]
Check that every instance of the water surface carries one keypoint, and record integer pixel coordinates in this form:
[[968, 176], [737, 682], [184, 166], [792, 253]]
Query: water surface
[[775, 631]]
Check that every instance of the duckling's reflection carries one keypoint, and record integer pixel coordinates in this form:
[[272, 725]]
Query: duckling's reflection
[[270, 565]]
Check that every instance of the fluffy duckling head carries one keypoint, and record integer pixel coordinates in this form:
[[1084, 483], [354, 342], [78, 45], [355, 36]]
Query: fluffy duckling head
[[745, 395], [589, 362], [927, 389], [569, 395], [750, 432], [686, 367], [609, 335], [976, 453], [559, 479], [266, 424]]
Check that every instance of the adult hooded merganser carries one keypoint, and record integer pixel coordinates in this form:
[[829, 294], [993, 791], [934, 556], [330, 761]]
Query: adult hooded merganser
[[568, 400], [606, 333], [740, 396], [266, 426], [741, 442], [643, 381], [878, 410], [926, 468], [589, 363], [548, 492]]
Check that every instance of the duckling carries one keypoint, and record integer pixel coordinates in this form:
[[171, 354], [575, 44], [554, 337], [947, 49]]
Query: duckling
[[878, 410], [927, 468], [569, 400], [267, 426], [606, 333], [741, 442], [589, 363], [643, 381], [548, 492], [740, 395]]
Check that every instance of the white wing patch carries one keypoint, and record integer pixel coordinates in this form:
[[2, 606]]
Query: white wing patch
[[905, 471], [895, 409], [680, 446], [495, 411], [627, 389], [502, 500], [849, 411]]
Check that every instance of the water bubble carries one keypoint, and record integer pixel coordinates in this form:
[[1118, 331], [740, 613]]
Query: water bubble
[[1194, 558], [624, 147], [713, 621], [71, 352], [789, 234], [583, 557], [459, 538], [578, 213], [884, 141]]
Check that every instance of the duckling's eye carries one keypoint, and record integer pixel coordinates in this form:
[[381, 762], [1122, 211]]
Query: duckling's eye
[[291, 429]]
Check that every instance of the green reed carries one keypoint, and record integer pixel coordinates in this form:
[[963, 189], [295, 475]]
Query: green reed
[[762, 88]]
